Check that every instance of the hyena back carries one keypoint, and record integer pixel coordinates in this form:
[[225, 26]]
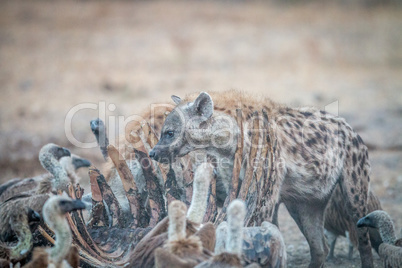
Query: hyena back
[[315, 152]]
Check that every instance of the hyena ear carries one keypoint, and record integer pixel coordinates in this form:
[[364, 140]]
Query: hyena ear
[[204, 105], [176, 99]]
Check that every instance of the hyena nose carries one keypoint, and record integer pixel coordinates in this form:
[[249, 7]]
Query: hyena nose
[[152, 154]]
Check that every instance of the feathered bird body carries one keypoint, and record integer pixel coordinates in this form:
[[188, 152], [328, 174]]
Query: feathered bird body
[[23, 186], [229, 246], [180, 250], [263, 245], [12, 208], [390, 250], [61, 165], [62, 254], [19, 225]]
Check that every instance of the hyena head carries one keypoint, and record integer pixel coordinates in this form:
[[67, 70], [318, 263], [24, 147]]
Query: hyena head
[[190, 126]]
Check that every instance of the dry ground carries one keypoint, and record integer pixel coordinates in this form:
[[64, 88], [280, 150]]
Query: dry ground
[[56, 55]]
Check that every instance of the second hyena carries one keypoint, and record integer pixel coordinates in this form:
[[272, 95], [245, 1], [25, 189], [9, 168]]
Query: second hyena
[[316, 152]]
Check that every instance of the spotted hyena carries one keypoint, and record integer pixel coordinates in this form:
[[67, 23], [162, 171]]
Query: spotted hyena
[[315, 150]]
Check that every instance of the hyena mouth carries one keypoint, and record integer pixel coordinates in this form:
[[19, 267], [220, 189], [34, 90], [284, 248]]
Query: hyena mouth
[[164, 159]]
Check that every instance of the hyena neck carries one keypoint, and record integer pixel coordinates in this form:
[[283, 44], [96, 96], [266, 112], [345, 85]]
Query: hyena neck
[[222, 140], [223, 135]]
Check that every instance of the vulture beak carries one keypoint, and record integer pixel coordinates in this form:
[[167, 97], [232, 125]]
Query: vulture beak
[[62, 152], [80, 162], [33, 216], [66, 152], [69, 206], [96, 124], [365, 222]]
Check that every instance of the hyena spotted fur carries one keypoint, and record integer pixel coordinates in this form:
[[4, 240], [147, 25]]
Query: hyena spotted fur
[[315, 150]]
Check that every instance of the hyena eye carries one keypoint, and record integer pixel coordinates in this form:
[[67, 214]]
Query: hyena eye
[[169, 133]]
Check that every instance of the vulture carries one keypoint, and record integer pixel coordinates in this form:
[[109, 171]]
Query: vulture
[[229, 240], [143, 254], [338, 223], [198, 206], [98, 128], [62, 254], [72, 164], [58, 161], [11, 209], [20, 223], [263, 245], [49, 157], [180, 250], [390, 250]]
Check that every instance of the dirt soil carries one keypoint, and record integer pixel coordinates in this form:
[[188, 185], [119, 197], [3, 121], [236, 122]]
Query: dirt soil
[[339, 56]]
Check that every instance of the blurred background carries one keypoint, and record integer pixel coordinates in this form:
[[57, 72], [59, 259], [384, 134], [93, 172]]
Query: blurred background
[[55, 55]]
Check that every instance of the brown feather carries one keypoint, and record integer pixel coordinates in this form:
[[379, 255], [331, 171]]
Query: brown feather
[[39, 259], [143, 254], [391, 255], [186, 252], [45, 186], [222, 260], [207, 236], [165, 259], [7, 185], [17, 204], [185, 247], [227, 258], [22, 186], [4, 251], [73, 258], [4, 263]]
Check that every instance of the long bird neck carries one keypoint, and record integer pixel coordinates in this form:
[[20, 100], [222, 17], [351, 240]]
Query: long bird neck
[[103, 141], [68, 166], [73, 177], [198, 205], [387, 232], [177, 228], [221, 235], [25, 240], [234, 240], [63, 240], [56, 169]]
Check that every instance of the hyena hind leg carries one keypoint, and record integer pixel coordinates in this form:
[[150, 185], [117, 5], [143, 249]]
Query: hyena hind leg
[[310, 219], [275, 217], [331, 237], [355, 192]]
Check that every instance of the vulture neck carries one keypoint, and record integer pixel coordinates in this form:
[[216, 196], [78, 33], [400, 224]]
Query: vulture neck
[[198, 205], [177, 228], [221, 236], [25, 240], [63, 240], [234, 240], [56, 169], [387, 231], [67, 165]]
